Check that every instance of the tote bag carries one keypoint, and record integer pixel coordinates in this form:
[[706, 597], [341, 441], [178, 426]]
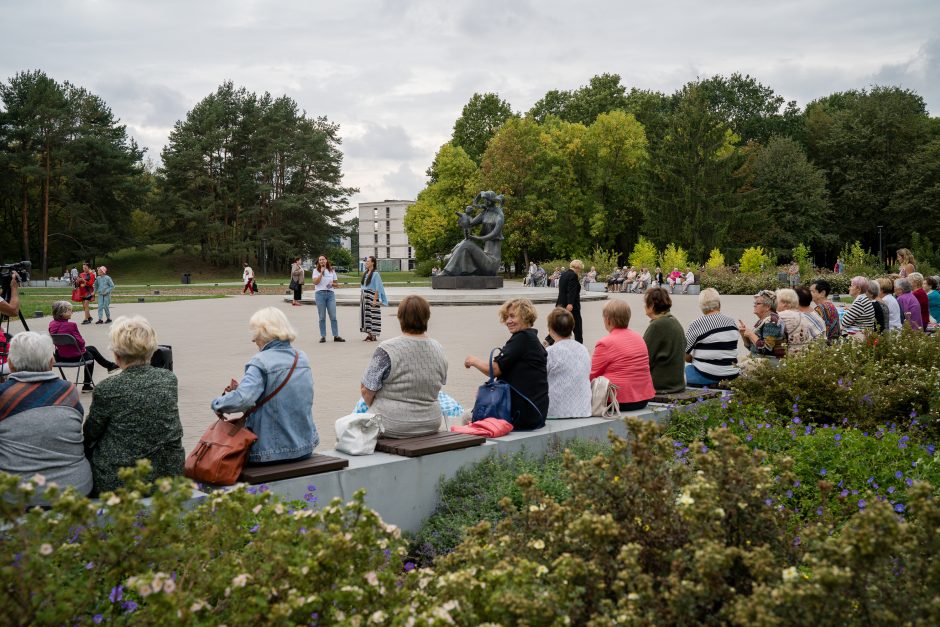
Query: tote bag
[[604, 398], [494, 399]]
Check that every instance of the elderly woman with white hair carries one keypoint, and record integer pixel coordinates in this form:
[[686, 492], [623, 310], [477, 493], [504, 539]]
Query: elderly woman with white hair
[[134, 415], [711, 344], [861, 313], [41, 418], [799, 327], [281, 374]]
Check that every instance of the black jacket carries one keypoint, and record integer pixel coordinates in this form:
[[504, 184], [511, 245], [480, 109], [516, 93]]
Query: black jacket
[[569, 290]]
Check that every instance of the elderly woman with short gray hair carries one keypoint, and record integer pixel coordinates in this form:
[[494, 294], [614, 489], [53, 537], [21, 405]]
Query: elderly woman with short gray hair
[[800, 328], [910, 308], [284, 424], [134, 415], [41, 418], [861, 313], [62, 324], [711, 344]]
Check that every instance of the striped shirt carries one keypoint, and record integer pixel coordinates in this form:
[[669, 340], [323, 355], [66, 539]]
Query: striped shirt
[[860, 313], [712, 340]]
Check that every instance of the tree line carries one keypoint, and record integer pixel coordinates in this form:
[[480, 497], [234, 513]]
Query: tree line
[[724, 162], [242, 176]]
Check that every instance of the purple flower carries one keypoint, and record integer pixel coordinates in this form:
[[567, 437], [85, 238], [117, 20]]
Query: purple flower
[[310, 498], [909, 482], [749, 437], [409, 566], [302, 531], [898, 475], [796, 541], [808, 430], [89, 565], [870, 480], [759, 426], [704, 449], [844, 493], [854, 492], [766, 425], [902, 443], [311, 488], [796, 421], [768, 502], [254, 529], [129, 606], [263, 488], [117, 593], [796, 483], [252, 490], [913, 413], [822, 472], [724, 425], [899, 508], [891, 490], [97, 618], [839, 382], [838, 437], [819, 511], [789, 494], [931, 448], [862, 503]]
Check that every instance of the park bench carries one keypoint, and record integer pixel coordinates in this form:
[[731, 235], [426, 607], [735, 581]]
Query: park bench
[[314, 465], [686, 396], [428, 444]]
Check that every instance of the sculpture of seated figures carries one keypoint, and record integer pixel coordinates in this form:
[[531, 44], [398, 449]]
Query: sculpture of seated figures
[[467, 258]]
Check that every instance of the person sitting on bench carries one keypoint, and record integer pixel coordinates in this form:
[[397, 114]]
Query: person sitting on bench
[[284, 424], [406, 373]]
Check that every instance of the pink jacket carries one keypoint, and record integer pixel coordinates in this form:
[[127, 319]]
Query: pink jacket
[[67, 327], [622, 357]]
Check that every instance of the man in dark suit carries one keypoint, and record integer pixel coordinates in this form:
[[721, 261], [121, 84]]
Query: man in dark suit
[[569, 295]]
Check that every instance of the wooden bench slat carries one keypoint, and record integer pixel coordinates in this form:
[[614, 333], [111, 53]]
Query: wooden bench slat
[[428, 444], [312, 466]]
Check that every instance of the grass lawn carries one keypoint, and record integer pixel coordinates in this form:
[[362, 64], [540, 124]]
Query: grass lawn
[[41, 299]]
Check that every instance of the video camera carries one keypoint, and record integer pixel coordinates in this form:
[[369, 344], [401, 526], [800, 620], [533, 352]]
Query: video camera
[[21, 268]]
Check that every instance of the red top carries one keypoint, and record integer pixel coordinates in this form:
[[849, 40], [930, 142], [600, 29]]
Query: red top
[[67, 327], [623, 358], [921, 295]]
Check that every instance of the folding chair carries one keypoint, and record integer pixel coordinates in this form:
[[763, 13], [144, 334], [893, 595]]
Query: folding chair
[[64, 340]]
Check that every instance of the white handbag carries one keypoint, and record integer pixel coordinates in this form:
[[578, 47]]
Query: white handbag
[[604, 398], [357, 434]]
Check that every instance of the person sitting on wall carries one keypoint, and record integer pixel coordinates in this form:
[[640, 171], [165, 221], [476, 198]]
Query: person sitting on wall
[[768, 338], [569, 369], [711, 344], [622, 357]]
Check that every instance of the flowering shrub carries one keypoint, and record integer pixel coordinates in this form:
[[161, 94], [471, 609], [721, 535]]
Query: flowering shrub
[[830, 471], [881, 380], [474, 494], [238, 557]]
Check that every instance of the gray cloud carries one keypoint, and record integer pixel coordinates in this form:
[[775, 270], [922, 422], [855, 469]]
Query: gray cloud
[[395, 73]]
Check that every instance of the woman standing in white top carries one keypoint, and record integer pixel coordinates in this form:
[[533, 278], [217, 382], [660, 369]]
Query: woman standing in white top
[[324, 281], [569, 370]]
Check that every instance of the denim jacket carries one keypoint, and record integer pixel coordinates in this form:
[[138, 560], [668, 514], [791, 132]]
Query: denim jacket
[[284, 425]]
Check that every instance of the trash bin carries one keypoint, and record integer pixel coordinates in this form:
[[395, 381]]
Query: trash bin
[[187, 278]]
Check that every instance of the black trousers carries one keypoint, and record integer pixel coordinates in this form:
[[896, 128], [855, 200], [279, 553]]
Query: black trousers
[[94, 353], [578, 326], [298, 292], [633, 406]]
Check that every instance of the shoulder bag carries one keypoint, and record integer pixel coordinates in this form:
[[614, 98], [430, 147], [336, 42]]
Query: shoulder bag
[[223, 449], [494, 399]]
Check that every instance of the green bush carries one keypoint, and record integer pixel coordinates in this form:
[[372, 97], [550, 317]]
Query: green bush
[[423, 268], [239, 557], [644, 255], [803, 257], [674, 257], [474, 494], [715, 260], [728, 282], [860, 262], [881, 380], [755, 261]]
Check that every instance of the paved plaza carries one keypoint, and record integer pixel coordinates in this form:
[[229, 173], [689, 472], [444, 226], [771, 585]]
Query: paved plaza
[[211, 343]]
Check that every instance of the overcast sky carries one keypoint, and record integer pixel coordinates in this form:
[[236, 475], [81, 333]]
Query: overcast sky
[[395, 74]]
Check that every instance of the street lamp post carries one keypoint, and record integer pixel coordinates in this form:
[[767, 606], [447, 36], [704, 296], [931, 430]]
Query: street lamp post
[[881, 257]]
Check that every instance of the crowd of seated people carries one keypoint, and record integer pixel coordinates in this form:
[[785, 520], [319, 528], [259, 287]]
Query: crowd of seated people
[[133, 415]]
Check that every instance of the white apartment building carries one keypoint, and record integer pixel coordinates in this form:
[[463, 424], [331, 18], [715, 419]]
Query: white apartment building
[[382, 234]]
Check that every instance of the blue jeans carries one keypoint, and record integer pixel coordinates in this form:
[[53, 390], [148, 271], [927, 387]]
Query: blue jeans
[[695, 378], [326, 303]]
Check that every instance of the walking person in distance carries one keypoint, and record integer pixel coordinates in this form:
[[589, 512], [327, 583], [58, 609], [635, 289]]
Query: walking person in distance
[[297, 281], [569, 295]]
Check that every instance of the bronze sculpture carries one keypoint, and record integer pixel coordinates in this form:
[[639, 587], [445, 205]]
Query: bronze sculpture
[[467, 258]]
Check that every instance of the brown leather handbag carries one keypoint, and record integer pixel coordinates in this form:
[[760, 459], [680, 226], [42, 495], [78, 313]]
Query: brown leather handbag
[[223, 449]]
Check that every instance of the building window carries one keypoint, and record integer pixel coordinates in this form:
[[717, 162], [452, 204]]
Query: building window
[[388, 225], [376, 254], [388, 239], [410, 256], [388, 253], [388, 213], [376, 236], [375, 213]]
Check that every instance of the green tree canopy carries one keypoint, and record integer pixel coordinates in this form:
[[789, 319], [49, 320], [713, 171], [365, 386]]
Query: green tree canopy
[[478, 122]]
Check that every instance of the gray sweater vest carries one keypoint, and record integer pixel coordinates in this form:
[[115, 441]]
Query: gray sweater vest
[[407, 401]]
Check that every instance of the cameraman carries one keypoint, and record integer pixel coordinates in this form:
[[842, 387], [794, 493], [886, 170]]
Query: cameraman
[[12, 307]]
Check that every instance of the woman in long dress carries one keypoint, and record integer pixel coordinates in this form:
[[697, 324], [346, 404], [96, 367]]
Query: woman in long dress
[[371, 300]]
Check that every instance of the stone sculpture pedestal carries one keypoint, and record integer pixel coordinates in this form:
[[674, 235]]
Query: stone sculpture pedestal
[[441, 282]]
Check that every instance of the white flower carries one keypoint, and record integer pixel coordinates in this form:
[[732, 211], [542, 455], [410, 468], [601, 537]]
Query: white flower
[[239, 581], [38, 479], [165, 485], [720, 512], [541, 570], [113, 500], [538, 545], [377, 617], [685, 499], [255, 509], [144, 589], [45, 549], [790, 574], [169, 586], [278, 509], [372, 578]]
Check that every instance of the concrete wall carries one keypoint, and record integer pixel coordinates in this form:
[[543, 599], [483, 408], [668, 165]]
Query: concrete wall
[[404, 491]]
